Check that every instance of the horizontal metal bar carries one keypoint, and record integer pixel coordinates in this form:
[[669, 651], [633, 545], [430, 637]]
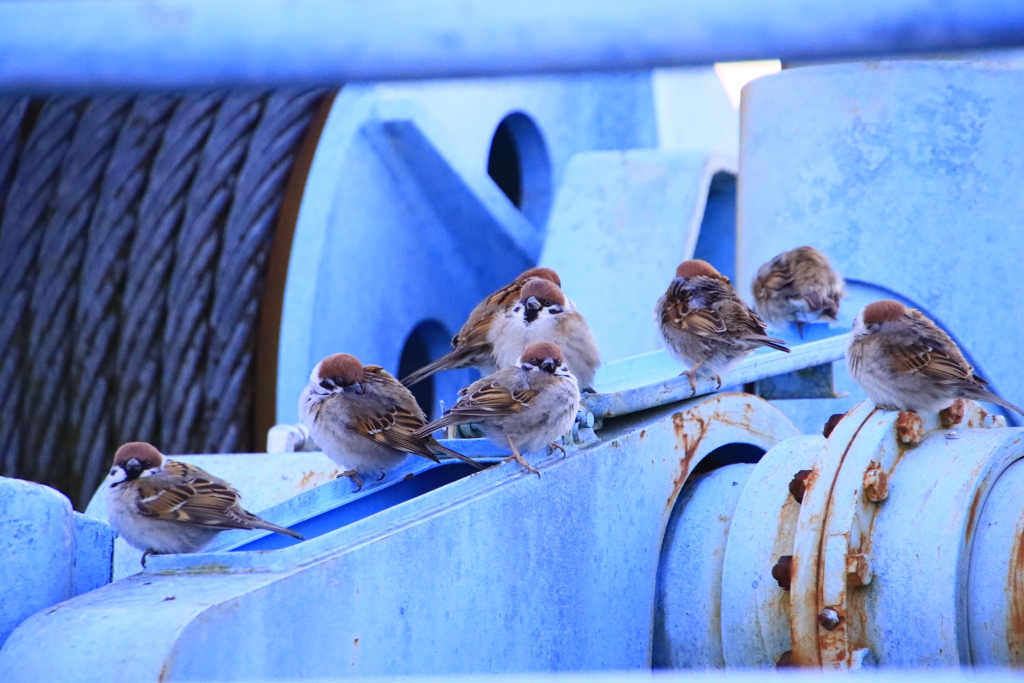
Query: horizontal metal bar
[[756, 367], [56, 45]]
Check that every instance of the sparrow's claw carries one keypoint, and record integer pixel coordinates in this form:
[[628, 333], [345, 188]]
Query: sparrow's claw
[[354, 476], [555, 446], [147, 554], [522, 461], [518, 457], [690, 375]]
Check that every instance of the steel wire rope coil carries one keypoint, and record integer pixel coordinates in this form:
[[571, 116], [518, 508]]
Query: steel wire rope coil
[[29, 204], [144, 306], [45, 403], [197, 248], [97, 320], [241, 268], [13, 121]]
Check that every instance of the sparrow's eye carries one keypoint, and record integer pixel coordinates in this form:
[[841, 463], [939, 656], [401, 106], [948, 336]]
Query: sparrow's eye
[[546, 303], [327, 384]]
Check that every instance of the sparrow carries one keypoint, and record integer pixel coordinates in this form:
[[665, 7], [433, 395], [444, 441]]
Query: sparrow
[[798, 286], [526, 406], [164, 506], [706, 325], [472, 346], [544, 314], [364, 419], [904, 362]]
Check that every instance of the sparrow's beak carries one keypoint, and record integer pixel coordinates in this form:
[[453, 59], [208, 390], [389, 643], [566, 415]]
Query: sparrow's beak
[[548, 366], [354, 388], [133, 468], [533, 304]]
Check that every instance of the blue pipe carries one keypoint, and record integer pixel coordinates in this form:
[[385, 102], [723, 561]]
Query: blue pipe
[[62, 45]]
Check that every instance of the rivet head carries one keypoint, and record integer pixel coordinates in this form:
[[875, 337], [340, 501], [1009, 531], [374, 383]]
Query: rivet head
[[876, 484], [953, 415], [785, 660], [832, 423], [829, 619], [782, 572], [909, 428], [798, 486]]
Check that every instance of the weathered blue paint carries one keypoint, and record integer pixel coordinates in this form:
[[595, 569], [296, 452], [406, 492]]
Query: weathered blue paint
[[687, 617], [502, 570], [48, 552], [622, 222], [906, 175], [186, 43]]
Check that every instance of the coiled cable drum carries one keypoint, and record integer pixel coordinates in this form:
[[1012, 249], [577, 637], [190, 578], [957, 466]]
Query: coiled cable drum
[[134, 237]]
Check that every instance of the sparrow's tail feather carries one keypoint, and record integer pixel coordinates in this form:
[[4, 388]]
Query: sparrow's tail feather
[[449, 361], [986, 395], [777, 344], [446, 420], [438, 448], [258, 523]]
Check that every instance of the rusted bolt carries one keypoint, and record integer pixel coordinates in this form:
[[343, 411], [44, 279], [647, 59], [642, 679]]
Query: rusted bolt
[[798, 487], [782, 572], [858, 570], [876, 484], [831, 424], [909, 428], [953, 415], [785, 660], [829, 619]]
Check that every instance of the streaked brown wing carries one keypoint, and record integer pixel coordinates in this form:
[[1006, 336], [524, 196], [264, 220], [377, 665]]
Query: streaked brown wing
[[163, 497], [395, 427], [492, 400], [931, 361]]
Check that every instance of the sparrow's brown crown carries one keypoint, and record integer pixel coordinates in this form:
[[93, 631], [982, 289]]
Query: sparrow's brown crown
[[695, 268], [538, 353], [543, 290], [883, 311], [147, 455], [342, 366], [542, 273]]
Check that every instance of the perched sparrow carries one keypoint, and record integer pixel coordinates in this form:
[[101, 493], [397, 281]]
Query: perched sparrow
[[544, 314], [164, 506], [706, 325], [798, 286], [472, 346], [364, 419], [526, 406], [905, 362]]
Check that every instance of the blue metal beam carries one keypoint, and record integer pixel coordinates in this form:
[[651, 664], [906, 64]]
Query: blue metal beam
[[89, 44]]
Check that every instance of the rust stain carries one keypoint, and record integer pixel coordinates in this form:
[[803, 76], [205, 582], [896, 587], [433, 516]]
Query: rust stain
[[355, 642], [1015, 584], [973, 514], [643, 433], [689, 443], [307, 478]]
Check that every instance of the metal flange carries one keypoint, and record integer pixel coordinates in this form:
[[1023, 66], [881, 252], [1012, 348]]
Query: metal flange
[[882, 549]]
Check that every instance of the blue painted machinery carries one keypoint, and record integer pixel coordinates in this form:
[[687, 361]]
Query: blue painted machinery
[[683, 529]]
